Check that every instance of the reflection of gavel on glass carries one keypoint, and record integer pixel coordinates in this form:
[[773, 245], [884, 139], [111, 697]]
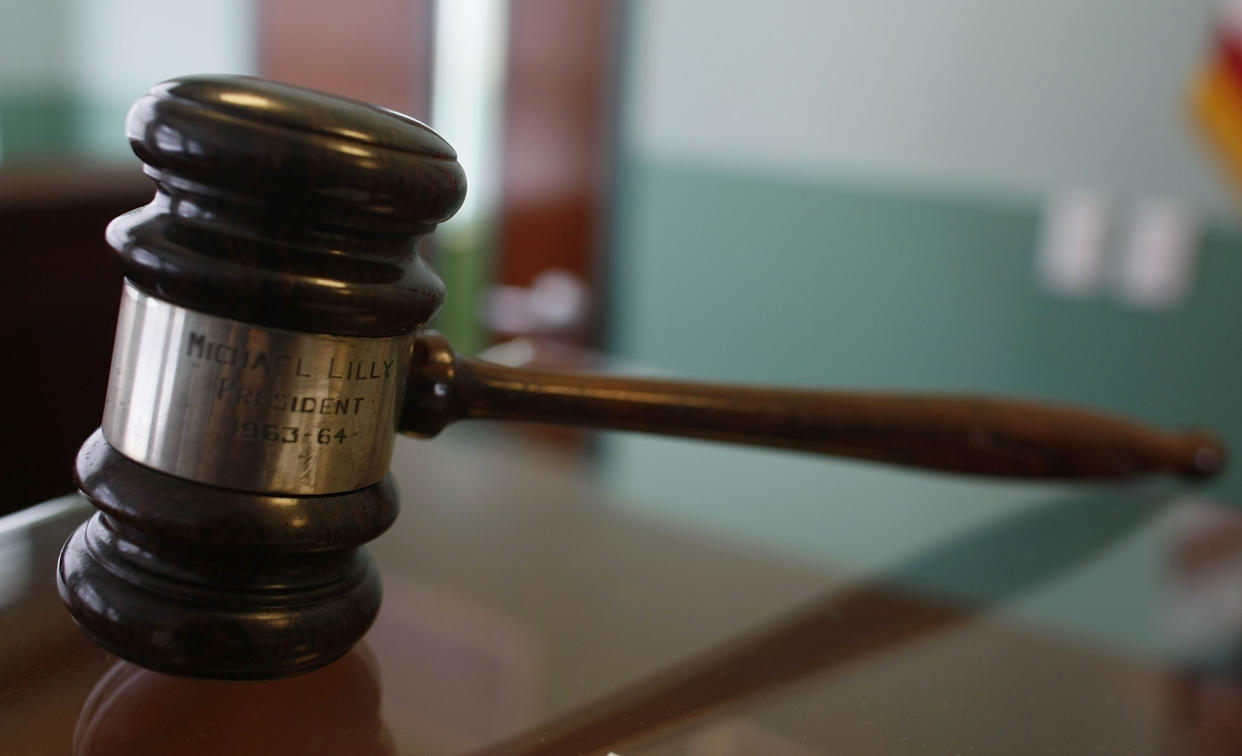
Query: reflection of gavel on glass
[[136, 712], [267, 352]]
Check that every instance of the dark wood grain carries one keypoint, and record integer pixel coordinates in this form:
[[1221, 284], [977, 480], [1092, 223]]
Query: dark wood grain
[[280, 207], [196, 580], [969, 434], [284, 207]]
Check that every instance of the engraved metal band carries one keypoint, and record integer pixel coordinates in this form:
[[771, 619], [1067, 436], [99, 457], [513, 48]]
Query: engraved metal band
[[256, 409]]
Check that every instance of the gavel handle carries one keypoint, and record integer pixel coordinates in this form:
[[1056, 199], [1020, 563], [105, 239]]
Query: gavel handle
[[966, 434]]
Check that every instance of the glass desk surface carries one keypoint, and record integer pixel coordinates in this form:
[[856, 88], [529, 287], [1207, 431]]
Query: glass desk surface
[[533, 606]]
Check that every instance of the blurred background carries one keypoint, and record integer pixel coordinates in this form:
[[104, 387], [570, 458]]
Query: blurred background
[[953, 195]]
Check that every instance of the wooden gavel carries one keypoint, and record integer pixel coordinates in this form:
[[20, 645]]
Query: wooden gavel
[[268, 352]]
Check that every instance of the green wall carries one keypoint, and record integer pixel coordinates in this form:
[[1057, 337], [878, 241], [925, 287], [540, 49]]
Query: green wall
[[751, 277], [741, 276]]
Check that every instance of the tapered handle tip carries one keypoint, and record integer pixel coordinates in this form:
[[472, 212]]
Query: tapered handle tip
[[1206, 454]]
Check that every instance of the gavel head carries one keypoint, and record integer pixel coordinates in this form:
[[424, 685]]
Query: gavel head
[[272, 293]]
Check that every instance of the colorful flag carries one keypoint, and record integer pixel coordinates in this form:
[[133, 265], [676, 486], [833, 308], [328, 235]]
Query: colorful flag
[[1216, 96]]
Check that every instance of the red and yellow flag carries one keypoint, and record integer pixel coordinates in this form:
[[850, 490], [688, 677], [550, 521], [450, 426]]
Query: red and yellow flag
[[1216, 95]]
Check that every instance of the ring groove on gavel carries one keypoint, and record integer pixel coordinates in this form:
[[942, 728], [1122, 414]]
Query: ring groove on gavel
[[269, 349]]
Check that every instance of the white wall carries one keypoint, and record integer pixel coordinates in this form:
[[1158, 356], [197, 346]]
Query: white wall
[[33, 39], [119, 48], [1008, 94]]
